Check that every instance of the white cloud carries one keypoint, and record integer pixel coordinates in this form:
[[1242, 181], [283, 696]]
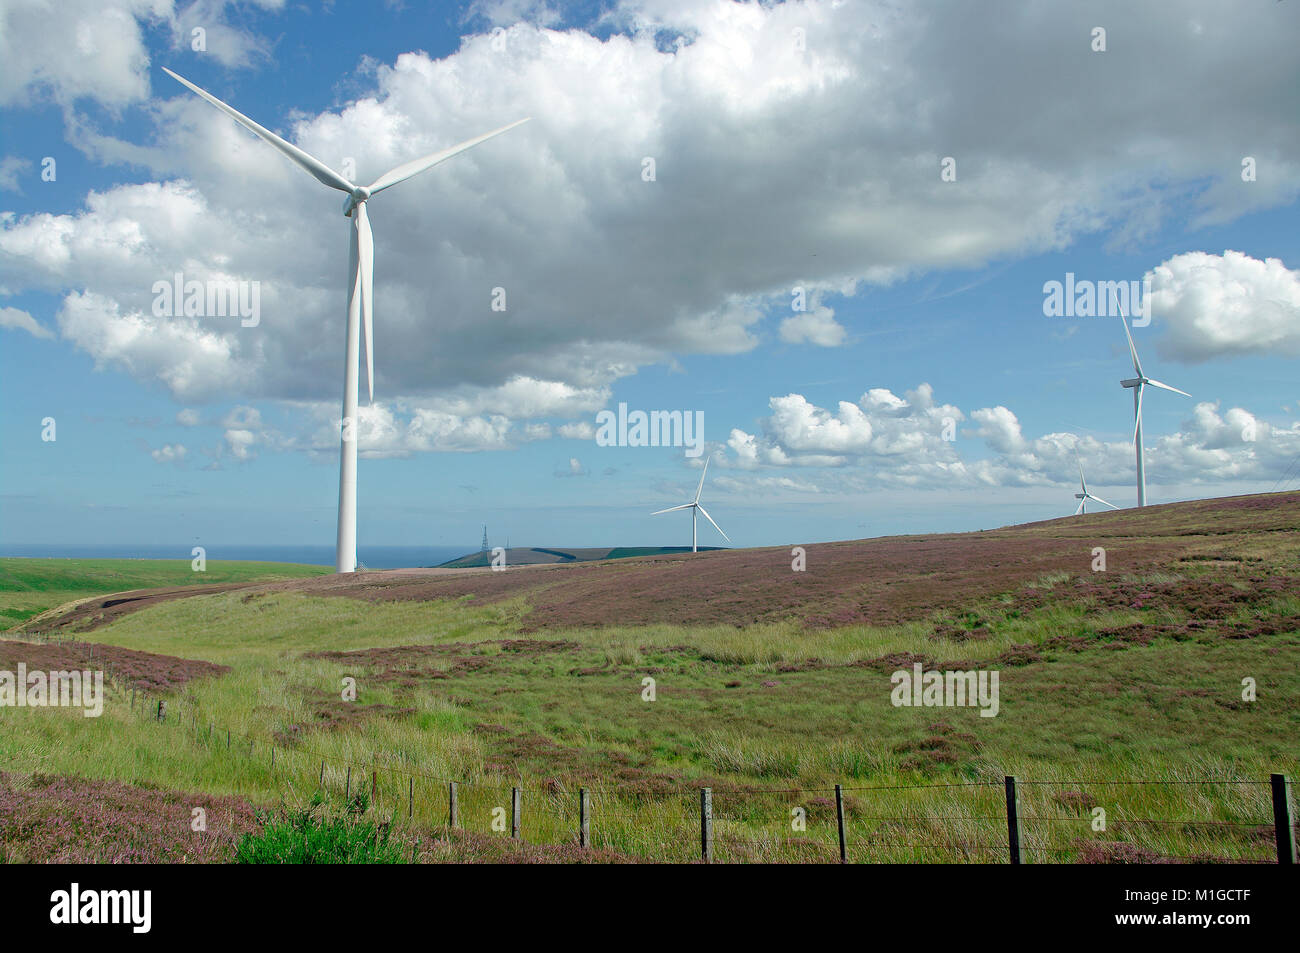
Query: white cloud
[[169, 453], [574, 468], [817, 326], [227, 44], [799, 425], [1226, 305], [999, 428], [16, 319], [907, 447], [11, 167], [770, 174], [190, 359], [187, 417], [68, 50]]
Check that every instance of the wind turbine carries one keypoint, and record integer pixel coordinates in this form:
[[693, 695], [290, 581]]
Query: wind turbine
[[360, 304], [1085, 496], [1137, 384], [695, 507]]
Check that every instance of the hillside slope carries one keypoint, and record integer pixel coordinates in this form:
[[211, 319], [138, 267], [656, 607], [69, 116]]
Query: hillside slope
[[1250, 540]]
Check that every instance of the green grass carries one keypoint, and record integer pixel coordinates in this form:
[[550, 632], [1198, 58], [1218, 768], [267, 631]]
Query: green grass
[[29, 587], [770, 717]]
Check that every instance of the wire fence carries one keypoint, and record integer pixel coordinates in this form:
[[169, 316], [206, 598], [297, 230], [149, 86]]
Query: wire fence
[[1009, 820]]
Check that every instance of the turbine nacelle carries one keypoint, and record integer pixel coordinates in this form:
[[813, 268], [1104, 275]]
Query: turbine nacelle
[[355, 198]]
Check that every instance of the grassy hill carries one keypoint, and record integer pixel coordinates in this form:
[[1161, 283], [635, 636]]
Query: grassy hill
[[1119, 688], [29, 587]]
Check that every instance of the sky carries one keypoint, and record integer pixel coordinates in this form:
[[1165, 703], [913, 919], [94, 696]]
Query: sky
[[829, 230]]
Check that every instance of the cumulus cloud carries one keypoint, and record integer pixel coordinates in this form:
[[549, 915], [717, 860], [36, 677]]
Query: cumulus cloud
[[769, 174], [1226, 305], [169, 453], [915, 442], [799, 425], [68, 50], [817, 326]]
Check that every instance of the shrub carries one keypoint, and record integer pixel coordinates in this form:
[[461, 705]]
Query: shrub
[[309, 838]]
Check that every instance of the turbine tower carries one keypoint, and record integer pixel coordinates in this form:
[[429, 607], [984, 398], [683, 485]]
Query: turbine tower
[[695, 507], [360, 304], [1085, 496], [1137, 384]]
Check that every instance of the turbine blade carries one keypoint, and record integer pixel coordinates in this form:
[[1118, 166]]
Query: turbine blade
[[1079, 508], [1082, 483], [699, 488], [1137, 415], [366, 276], [1102, 502], [684, 506], [1167, 387], [416, 166], [320, 170], [710, 519], [1132, 349]]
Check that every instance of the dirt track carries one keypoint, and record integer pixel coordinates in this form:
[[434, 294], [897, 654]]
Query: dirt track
[[878, 581]]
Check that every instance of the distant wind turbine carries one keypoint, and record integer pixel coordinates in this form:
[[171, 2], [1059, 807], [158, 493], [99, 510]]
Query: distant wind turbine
[[360, 303], [1138, 383], [695, 507], [1085, 496]]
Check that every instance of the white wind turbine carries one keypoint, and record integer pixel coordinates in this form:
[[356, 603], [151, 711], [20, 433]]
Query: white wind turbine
[[1138, 383], [695, 507], [360, 306], [1085, 496]]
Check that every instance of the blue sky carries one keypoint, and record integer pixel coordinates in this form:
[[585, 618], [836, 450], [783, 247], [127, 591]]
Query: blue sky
[[795, 146]]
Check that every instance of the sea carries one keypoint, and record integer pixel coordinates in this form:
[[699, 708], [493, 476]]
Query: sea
[[371, 557]]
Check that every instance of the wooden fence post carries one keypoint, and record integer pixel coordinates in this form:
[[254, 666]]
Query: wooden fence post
[[162, 710], [706, 825], [584, 820], [347, 788], [374, 786], [1013, 820], [1282, 821], [227, 739], [514, 813], [839, 822], [453, 806], [322, 774], [410, 799]]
